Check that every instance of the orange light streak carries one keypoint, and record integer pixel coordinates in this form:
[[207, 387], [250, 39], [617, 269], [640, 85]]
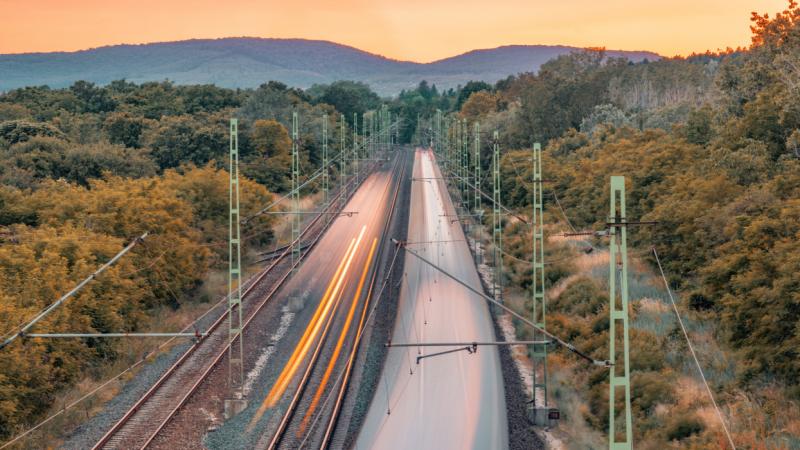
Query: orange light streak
[[311, 331], [340, 342]]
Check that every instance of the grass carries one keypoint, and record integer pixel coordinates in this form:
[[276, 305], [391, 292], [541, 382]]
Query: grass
[[760, 419]]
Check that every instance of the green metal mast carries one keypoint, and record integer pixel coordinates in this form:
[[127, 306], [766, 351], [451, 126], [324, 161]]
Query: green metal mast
[[477, 164], [459, 153], [497, 231], [342, 161], [440, 135], [389, 137], [618, 277], [235, 352], [325, 174], [437, 142], [446, 145], [295, 193], [477, 192], [465, 164], [388, 128], [365, 135], [355, 150], [539, 302]]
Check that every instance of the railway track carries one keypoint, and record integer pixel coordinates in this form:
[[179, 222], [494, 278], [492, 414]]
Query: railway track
[[149, 415], [294, 430]]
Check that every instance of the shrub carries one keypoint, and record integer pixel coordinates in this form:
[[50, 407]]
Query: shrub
[[682, 427]]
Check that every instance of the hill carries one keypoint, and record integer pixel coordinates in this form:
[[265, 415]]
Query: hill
[[248, 62]]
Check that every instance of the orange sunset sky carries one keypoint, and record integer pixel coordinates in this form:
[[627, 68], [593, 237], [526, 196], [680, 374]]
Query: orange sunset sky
[[404, 29]]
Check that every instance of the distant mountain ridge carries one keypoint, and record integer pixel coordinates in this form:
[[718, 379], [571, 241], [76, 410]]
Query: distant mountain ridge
[[248, 62]]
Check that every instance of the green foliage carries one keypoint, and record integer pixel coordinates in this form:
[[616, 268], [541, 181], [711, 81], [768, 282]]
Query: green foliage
[[78, 180], [81, 228], [125, 129], [470, 88], [681, 427], [564, 92], [581, 298], [423, 101], [16, 131], [713, 156], [270, 164], [606, 116], [92, 98], [348, 97], [179, 139], [698, 126], [44, 158]]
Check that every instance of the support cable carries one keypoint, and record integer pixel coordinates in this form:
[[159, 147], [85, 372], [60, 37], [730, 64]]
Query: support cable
[[490, 198], [555, 338], [116, 377], [74, 290], [691, 349], [316, 174]]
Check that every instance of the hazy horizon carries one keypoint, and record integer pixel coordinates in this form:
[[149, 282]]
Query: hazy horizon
[[120, 44], [383, 28]]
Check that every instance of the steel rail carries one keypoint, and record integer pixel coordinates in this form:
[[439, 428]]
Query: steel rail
[[274, 290], [291, 409], [174, 367], [362, 323]]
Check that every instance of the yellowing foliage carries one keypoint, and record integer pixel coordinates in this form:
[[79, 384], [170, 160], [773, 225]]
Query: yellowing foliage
[[186, 214]]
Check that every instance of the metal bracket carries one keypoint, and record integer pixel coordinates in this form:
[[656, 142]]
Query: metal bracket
[[469, 349]]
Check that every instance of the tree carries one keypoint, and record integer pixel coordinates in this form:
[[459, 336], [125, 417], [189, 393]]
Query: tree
[[20, 131], [125, 129], [604, 115], [93, 99], [698, 126], [271, 162], [270, 138], [470, 88], [478, 105], [350, 97], [181, 139]]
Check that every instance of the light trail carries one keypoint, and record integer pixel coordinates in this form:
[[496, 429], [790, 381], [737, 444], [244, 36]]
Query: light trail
[[311, 332], [305, 343], [311, 327], [340, 342]]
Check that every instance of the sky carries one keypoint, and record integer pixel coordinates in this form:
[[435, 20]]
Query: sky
[[413, 30]]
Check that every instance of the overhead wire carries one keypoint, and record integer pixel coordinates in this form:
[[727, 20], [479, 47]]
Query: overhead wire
[[691, 349], [331, 162]]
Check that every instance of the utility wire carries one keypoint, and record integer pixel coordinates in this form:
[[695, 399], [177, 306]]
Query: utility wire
[[555, 338], [316, 175], [114, 378], [74, 290], [566, 219], [485, 195], [358, 338], [691, 349]]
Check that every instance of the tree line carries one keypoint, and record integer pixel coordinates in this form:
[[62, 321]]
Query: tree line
[[710, 147]]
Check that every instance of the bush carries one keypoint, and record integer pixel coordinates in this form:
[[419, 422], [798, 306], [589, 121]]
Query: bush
[[683, 426], [20, 131]]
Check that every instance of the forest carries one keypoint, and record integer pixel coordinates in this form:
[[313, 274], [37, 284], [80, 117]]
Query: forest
[[709, 143], [87, 169], [710, 147]]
